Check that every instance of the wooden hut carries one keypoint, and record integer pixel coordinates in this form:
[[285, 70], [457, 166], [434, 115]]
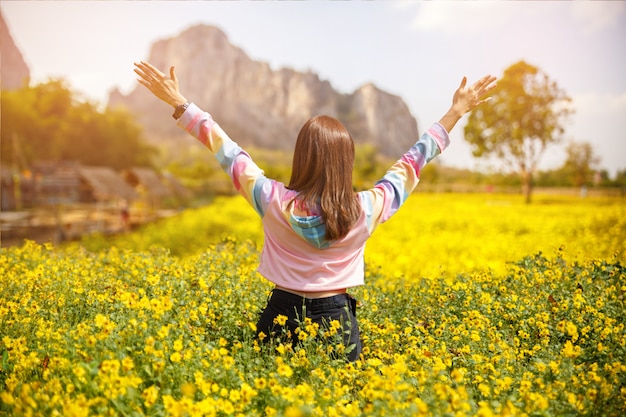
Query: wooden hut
[[56, 182], [148, 186], [103, 184]]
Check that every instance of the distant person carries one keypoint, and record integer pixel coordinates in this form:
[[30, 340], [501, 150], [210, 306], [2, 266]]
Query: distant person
[[316, 226], [124, 215]]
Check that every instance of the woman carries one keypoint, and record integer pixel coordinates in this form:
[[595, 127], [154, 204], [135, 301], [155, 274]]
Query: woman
[[315, 227]]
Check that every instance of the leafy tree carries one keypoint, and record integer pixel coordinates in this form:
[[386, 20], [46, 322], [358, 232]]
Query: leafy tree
[[524, 116], [580, 163], [620, 179], [48, 122], [29, 119]]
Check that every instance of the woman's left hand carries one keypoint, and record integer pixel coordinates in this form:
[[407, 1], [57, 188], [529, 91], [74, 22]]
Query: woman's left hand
[[467, 99], [163, 87]]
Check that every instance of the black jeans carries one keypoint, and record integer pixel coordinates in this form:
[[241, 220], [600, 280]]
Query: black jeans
[[322, 311]]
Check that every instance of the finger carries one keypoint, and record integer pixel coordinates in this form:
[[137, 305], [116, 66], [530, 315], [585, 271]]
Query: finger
[[488, 88], [482, 82], [152, 70], [463, 82], [485, 85], [172, 75], [142, 82], [141, 74], [489, 82], [145, 79], [144, 72]]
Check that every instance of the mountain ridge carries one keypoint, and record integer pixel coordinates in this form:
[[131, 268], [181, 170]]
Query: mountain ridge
[[257, 105]]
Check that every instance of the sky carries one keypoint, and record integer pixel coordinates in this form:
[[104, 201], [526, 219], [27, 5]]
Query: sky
[[417, 50]]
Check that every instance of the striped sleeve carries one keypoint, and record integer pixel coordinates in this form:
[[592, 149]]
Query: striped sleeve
[[249, 180], [388, 195]]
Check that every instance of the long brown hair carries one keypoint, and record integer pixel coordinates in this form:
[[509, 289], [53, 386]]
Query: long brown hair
[[323, 160]]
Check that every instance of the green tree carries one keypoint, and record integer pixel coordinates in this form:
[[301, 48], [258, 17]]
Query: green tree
[[30, 119], [580, 163], [620, 178], [48, 122], [524, 116]]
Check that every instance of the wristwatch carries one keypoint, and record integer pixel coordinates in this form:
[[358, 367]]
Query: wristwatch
[[179, 110]]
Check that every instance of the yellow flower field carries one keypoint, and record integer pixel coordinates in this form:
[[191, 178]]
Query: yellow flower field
[[475, 305]]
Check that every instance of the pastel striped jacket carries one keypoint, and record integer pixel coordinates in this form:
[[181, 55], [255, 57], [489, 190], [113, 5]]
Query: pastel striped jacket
[[295, 253]]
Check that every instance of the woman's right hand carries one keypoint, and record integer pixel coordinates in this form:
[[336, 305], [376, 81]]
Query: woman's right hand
[[163, 87]]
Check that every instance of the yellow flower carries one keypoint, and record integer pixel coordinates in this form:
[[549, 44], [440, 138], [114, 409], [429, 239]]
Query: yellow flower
[[571, 330], [110, 366], [327, 394], [100, 320], [163, 332], [79, 371], [284, 370], [292, 411], [178, 345], [150, 395], [570, 351], [234, 396], [158, 365], [247, 392], [127, 364], [188, 389], [484, 389], [92, 340], [7, 398], [260, 383], [280, 320], [228, 407], [484, 410], [457, 374], [176, 357], [302, 335]]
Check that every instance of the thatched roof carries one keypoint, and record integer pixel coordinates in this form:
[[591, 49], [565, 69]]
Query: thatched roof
[[148, 179], [106, 184]]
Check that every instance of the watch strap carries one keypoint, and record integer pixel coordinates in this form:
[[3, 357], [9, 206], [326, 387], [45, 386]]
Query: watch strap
[[179, 110]]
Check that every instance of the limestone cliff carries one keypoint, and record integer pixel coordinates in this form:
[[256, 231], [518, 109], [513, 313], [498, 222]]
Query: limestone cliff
[[14, 73], [261, 106]]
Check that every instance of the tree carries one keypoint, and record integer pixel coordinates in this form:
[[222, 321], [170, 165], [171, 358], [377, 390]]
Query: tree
[[48, 122], [30, 119], [580, 163], [524, 116]]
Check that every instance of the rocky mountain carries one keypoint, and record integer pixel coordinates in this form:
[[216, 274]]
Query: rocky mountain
[[260, 106], [14, 73]]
